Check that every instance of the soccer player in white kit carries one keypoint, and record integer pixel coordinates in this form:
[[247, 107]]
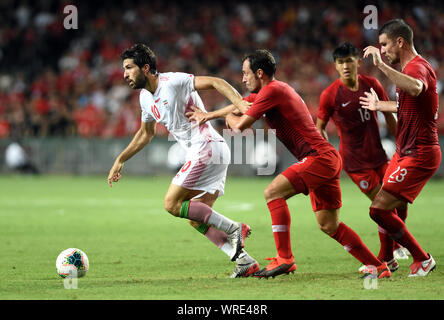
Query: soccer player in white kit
[[165, 98]]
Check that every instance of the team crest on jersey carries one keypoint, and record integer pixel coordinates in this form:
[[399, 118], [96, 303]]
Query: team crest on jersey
[[363, 184]]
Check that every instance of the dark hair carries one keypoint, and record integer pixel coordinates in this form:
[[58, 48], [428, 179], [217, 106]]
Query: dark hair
[[397, 28], [261, 59], [142, 55], [345, 50]]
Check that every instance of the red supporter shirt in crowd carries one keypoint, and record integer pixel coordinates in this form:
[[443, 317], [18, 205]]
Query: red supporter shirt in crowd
[[286, 112], [358, 130], [417, 116]]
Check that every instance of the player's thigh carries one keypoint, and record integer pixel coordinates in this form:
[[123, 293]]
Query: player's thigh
[[280, 187], [327, 196]]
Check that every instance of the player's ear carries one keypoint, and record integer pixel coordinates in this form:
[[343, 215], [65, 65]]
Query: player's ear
[[146, 69], [260, 73]]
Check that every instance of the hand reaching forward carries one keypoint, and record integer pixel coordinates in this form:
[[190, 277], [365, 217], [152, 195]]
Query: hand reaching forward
[[197, 115], [114, 173], [370, 101]]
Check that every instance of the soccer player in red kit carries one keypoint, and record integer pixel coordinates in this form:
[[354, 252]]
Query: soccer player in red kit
[[316, 173], [364, 158], [418, 154]]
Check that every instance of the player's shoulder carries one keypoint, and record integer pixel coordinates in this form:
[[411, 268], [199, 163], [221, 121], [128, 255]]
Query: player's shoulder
[[281, 87], [171, 76], [418, 62], [419, 66], [331, 90], [333, 86]]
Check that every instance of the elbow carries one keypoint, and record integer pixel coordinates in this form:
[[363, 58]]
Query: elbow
[[416, 90]]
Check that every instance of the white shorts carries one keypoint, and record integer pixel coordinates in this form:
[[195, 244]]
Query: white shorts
[[205, 169]]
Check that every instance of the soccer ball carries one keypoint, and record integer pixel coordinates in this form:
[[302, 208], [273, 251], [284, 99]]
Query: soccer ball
[[72, 263]]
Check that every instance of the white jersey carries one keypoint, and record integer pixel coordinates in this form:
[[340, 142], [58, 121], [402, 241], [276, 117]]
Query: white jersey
[[173, 98]]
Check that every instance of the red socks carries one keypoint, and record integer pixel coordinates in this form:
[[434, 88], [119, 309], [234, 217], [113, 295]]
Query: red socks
[[397, 230], [281, 220], [353, 244], [387, 243]]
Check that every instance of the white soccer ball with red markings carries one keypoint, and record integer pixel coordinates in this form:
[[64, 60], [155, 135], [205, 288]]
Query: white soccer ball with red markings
[[72, 263]]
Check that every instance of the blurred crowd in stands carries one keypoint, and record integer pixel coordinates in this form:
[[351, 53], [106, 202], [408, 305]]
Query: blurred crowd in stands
[[69, 82]]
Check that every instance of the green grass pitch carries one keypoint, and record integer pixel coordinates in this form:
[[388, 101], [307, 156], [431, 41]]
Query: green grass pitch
[[138, 251]]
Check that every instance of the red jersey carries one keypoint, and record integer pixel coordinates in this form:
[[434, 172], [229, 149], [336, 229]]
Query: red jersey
[[360, 143], [286, 112], [417, 116]]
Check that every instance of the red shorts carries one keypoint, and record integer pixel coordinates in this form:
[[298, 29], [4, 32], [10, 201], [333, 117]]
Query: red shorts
[[406, 176], [318, 176], [368, 179]]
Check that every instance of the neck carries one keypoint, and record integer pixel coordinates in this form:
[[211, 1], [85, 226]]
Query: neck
[[265, 81], [407, 56], [351, 83], [152, 82]]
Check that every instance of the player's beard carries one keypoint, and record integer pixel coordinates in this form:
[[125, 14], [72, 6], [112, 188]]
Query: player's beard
[[257, 88], [393, 60], [140, 81]]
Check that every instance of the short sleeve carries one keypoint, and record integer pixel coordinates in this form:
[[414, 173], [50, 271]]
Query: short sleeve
[[263, 102], [420, 72], [183, 81]]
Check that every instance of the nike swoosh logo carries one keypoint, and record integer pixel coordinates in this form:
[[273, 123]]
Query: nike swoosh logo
[[345, 104], [425, 269]]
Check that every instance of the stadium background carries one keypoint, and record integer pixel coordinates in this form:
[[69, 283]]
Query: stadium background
[[62, 94]]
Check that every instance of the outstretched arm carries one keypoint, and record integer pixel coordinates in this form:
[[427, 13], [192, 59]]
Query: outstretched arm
[[200, 117], [224, 88], [372, 102], [239, 123], [142, 137]]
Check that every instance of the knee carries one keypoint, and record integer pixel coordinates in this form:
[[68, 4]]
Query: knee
[[328, 227], [172, 206], [376, 214], [271, 193]]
